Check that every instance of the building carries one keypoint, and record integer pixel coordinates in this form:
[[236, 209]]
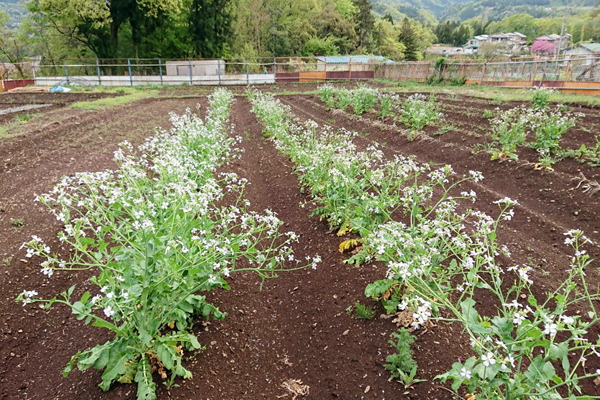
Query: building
[[584, 48], [550, 44], [515, 42], [342, 63], [195, 67]]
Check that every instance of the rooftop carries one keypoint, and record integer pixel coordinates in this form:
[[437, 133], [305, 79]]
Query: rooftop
[[355, 59]]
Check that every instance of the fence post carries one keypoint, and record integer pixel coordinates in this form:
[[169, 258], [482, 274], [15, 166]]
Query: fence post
[[274, 68], [483, 73], [129, 69], [98, 72], [507, 70], [190, 68], [247, 72], [33, 70], [160, 70], [350, 69], [568, 68], [544, 73], [325, 69], [66, 72], [219, 69]]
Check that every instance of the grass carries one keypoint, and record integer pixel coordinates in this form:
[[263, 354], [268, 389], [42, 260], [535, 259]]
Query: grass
[[129, 95], [11, 129], [498, 94]]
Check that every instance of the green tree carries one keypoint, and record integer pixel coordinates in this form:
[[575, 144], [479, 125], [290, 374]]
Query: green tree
[[408, 37], [98, 24], [387, 43], [210, 27], [365, 23], [320, 47]]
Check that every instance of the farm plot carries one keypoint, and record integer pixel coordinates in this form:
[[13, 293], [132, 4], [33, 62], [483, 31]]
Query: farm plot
[[364, 201]]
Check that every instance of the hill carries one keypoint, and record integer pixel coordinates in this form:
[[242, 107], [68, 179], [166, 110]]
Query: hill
[[14, 9], [495, 10]]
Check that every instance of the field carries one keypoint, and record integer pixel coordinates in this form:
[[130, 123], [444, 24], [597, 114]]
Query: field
[[300, 335]]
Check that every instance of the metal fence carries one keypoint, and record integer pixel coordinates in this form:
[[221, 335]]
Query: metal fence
[[130, 72], [579, 73], [574, 73]]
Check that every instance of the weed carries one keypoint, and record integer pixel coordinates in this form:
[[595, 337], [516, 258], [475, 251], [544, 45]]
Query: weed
[[402, 361], [488, 114], [364, 312], [17, 222]]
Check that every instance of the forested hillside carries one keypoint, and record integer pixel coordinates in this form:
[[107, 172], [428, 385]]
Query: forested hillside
[[14, 9], [61, 30], [496, 10]]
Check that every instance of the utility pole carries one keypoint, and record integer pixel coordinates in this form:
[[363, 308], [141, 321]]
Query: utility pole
[[562, 32]]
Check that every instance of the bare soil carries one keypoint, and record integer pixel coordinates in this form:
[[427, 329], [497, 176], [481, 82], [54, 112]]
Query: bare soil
[[297, 327]]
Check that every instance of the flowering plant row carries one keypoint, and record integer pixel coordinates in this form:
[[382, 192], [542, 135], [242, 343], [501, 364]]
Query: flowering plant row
[[416, 112], [442, 256], [157, 231], [510, 129]]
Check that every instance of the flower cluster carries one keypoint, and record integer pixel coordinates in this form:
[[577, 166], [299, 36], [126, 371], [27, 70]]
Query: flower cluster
[[159, 229]]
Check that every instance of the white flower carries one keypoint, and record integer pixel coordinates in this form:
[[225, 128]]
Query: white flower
[[550, 329], [488, 359], [567, 320], [465, 373], [96, 298], [109, 312]]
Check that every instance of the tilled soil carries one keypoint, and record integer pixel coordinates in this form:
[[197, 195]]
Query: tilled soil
[[297, 327], [35, 345]]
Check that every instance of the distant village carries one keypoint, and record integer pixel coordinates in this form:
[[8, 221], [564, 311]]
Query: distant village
[[515, 44]]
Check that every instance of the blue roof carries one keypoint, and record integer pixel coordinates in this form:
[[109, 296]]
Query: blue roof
[[593, 47], [355, 59]]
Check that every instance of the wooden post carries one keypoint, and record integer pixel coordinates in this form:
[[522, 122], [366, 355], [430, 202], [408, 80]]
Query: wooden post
[[190, 69], [350, 68], [534, 71], [568, 68], [507, 70], [462, 73], [1, 79], [325, 68]]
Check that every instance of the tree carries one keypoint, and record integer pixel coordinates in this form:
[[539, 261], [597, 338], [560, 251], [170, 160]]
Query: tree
[[387, 43], [340, 30], [365, 22], [320, 47], [408, 38], [98, 24], [12, 47], [209, 27]]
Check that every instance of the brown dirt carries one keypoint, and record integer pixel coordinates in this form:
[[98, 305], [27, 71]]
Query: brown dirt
[[297, 326], [54, 100], [34, 344]]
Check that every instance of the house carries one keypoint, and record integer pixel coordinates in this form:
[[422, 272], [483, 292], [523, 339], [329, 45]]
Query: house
[[550, 44], [584, 48], [514, 41]]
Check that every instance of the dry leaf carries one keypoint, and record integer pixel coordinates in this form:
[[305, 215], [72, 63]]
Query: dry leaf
[[296, 388]]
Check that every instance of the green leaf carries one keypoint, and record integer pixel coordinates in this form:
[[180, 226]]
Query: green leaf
[[70, 365], [146, 386], [378, 288], [115, 367]]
